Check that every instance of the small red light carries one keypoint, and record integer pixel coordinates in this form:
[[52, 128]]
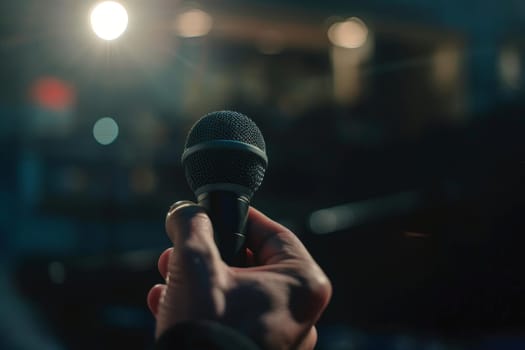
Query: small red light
[[52, 93]]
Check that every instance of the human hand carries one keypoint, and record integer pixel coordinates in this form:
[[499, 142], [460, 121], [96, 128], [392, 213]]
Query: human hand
[[276, 301]]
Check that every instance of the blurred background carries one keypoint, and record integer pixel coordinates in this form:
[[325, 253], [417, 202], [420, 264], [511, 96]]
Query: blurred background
[[395, 138]]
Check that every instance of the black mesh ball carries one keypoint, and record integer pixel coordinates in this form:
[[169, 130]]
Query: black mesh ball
[[217, 164], [225, 125]]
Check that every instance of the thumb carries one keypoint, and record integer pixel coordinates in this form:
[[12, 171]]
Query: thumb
[[194, 268], [191, 232]]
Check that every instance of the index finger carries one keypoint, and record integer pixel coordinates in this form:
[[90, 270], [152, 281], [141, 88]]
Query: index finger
[[271, 242]]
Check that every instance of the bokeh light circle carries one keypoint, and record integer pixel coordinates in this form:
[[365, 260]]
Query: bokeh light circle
[[193, 23], [105, 131], [349, 34]]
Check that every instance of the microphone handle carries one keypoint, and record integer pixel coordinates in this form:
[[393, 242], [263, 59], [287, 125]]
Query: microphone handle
[[228, 212]]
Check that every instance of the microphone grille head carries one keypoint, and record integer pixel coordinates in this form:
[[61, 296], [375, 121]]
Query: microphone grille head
[[226, 125], [225, 148]]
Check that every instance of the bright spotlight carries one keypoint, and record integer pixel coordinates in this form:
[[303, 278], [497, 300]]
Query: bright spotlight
[[193, 23], [350, 34], [105, 131], [109, 20]]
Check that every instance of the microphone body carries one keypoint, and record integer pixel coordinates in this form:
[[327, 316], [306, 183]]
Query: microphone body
[[224, 162], [228, 213]]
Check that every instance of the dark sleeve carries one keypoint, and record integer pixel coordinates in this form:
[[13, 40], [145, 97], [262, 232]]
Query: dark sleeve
[[204, 335]]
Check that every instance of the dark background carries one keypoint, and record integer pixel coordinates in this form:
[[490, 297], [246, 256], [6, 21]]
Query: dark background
[[399, 163]]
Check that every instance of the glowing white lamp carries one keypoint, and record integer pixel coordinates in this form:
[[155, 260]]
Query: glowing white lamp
[[109, 20]]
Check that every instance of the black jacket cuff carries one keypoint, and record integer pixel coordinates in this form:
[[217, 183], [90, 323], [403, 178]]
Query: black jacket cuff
[[204, 335]]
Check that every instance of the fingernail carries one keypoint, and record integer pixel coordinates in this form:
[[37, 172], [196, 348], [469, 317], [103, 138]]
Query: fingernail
[[178, 205]]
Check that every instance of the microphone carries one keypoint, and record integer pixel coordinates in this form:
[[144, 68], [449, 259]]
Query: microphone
[[224, 161]]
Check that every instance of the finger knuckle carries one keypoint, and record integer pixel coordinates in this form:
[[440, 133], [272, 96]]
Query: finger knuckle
[[319, 287]]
